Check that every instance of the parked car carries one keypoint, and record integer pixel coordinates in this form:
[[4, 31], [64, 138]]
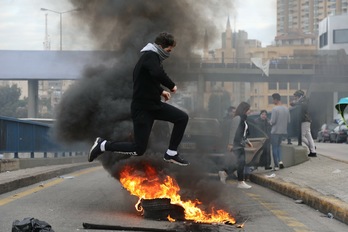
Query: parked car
[[339, 134], [325, 130]]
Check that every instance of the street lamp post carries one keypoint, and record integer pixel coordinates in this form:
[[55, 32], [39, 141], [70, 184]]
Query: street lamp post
[[61, 25]]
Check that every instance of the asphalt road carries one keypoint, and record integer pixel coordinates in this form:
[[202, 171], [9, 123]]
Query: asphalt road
[[93, 196]]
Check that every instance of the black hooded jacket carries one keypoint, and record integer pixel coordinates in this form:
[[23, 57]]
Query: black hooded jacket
[[301, 108], [148, 76]]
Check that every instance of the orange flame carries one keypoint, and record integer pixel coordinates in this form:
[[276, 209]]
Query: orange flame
[[149, 185], [170, 219]]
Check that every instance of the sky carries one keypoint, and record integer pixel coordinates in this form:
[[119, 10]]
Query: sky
[[23, 24]]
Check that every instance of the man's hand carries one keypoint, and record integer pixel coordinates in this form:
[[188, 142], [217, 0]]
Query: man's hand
[[166, 95], [173, 90], [229, 147]]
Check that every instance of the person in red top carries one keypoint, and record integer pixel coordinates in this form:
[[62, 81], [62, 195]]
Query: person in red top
[[146, 107]]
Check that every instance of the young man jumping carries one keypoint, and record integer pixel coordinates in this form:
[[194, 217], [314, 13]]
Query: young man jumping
[[146, 106]]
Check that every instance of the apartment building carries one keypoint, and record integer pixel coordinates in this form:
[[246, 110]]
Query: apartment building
[[299, 25], [298, 20], [333, 33]]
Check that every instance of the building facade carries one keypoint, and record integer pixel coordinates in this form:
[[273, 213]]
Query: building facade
[[333, 33], [234, 49], [240, 49], [298, 20]]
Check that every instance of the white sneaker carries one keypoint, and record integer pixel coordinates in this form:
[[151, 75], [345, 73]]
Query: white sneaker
[[276, 168], [223, 176], [243, 185], [281, 165]]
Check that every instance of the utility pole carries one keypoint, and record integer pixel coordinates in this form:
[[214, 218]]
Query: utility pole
[[60, 23], [47, 42]]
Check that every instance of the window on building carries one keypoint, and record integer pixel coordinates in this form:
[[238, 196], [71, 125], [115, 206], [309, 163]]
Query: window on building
[[272, 85], [283, 85], [284, 99], [340, 36], [270, 100], [293, 85], [304, 86], [323, 40]]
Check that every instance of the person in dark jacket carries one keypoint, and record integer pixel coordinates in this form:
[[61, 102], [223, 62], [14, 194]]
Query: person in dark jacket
[[301, 102], [238, 141], [146, 107], [263, 124]]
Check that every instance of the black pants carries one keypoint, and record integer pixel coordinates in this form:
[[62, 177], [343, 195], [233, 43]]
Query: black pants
[[265, 159], [142, 124]]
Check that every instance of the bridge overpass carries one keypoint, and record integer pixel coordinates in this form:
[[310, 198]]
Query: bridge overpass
[[242, 72], [325, 78], [70, 65]]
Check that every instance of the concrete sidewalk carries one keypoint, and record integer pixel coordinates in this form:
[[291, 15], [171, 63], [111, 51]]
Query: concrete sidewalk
[[319, 182]]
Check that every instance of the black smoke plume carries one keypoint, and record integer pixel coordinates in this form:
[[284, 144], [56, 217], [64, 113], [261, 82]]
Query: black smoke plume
[[99, 103]]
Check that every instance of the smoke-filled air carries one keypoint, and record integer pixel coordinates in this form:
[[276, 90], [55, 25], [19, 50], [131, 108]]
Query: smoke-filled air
[[98, 104]]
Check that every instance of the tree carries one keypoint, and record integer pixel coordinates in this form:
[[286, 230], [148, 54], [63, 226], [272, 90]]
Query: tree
[[45, 108], [10, 104]]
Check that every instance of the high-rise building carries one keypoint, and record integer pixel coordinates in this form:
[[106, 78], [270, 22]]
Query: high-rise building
[[298, 20], [333, 33]]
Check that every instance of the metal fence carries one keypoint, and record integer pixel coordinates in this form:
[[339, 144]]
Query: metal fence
[[19, 136]]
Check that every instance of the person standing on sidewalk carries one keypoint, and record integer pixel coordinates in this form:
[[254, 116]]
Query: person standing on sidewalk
[[302, 102], [237, 142], [263, 123], [146, 106], [280, 118]]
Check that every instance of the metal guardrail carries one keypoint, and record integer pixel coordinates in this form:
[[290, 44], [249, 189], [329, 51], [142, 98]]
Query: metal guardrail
[[321, 66], [280, 64], [251, 66]]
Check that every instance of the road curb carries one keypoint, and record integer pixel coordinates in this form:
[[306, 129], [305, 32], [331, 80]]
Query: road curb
[[39, 176], [310, 197]]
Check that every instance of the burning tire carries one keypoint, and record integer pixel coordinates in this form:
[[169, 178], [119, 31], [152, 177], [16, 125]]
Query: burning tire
[[177, 213], [160, 209], [156, 204]]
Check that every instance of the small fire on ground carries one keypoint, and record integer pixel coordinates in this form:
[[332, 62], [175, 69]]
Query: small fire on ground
[[148, 185]]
